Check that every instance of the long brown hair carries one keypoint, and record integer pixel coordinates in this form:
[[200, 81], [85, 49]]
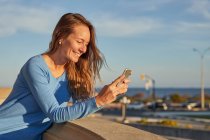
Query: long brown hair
[[81, 75]]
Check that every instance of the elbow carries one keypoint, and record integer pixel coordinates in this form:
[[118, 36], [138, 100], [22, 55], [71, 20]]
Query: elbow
[[60, 120], [55, 117], [56, 120]]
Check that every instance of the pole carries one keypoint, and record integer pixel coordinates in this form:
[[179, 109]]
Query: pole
[[202, 54], [153, 95], [123, 112], [202, 83], [124, 101]]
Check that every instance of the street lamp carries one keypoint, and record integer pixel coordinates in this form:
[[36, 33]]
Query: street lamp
[[202, 54], [124, 101], [150, 83]]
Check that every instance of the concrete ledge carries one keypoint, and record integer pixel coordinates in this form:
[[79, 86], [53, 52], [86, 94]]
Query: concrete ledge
[[96, 129], [70, 131], [193, 134]]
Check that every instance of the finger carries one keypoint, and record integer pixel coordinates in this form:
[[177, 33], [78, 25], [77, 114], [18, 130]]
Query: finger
[[123, 84], [118, 80], [126, 81], [121, 92], [122, 89]]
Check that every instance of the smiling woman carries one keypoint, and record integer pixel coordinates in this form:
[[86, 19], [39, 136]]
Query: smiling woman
[[58, 85], [69, 43]]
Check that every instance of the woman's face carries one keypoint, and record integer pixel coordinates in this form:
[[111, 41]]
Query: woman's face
[[76, 43]]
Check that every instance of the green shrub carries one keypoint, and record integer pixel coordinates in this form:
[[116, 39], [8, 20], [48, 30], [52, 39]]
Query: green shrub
[[168, 123]]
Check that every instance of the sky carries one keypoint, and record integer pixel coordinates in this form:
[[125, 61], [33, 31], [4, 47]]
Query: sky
[[152, 37]]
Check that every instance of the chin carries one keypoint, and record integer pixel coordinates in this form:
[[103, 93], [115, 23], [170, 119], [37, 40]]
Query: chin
[[74, 60]]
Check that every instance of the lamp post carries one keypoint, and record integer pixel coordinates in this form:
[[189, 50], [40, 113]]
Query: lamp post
[[124, 101], [150, 83], [202, 54]]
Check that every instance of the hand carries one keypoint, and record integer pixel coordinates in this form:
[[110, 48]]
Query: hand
[[109, 92]]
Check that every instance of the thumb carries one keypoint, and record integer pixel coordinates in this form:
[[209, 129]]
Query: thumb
[[118, 80]]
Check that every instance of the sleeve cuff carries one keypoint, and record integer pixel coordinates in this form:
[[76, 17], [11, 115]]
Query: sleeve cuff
[[93, 101]]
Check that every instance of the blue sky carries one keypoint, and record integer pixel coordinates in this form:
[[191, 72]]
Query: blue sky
[[155, 37]]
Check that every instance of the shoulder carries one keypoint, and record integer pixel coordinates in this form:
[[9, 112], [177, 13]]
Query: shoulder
[[35, 59], [35, 63]]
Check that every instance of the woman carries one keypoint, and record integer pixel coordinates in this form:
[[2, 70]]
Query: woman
[[57, 86]]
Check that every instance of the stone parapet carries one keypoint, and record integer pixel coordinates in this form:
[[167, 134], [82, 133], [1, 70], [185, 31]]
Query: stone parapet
[[91, 128]]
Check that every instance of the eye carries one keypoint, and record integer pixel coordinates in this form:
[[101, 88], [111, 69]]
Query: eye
[[86, 45], [79, 41]]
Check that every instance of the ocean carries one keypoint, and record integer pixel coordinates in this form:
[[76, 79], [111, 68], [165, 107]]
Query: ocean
[[161, 92]]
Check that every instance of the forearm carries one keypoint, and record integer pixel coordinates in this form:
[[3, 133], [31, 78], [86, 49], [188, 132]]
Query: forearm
[[76, 111]]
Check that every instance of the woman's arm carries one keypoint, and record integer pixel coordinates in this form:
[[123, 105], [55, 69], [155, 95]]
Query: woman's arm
[[43, 92]]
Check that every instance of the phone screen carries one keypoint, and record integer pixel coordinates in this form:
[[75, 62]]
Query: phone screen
[[127, 73]]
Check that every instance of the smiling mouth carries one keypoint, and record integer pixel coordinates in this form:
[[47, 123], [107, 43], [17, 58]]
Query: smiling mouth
[[77, 54]]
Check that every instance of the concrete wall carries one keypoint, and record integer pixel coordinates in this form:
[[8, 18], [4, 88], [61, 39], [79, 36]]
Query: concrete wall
[[174, 132], [97, 129]]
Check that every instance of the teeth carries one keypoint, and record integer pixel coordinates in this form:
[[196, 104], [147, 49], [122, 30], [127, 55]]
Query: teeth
[[78, 54]]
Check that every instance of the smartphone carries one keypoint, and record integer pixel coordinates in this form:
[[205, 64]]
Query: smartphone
[[127, 72]]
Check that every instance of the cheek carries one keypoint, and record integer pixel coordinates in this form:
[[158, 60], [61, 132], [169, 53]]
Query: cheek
[[67, 47], [71, 46]]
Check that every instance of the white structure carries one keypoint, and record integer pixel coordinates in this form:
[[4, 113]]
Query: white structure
[[124, 101], [202, 54], [150, 83]]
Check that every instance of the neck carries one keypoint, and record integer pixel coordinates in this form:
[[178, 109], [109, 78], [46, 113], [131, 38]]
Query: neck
[[57, 62]]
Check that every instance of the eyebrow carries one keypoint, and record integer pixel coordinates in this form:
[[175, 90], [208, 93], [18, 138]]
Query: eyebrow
[[83, 40]]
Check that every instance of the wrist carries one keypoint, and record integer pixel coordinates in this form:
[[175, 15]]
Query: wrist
[[99, 102]]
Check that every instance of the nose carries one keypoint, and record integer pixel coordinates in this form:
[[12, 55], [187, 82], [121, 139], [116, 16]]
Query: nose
[[83, 48]]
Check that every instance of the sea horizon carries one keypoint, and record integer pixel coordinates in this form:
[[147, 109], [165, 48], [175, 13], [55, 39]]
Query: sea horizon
[[159, 91], [166, 91]]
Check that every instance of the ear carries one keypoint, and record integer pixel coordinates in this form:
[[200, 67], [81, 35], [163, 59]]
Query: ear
[[60, 41]]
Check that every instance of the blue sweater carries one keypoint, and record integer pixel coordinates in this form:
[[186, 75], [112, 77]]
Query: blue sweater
[[36, 101]]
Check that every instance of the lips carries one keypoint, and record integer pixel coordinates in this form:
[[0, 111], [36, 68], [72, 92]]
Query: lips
[[77, 54]]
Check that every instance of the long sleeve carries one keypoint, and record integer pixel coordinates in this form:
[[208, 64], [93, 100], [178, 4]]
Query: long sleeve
[[43, 89]]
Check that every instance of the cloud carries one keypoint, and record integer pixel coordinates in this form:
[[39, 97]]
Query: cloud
[[115, 26], [144, 5], [201, 7], [15, 17], [121, 27], [189, 27]]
